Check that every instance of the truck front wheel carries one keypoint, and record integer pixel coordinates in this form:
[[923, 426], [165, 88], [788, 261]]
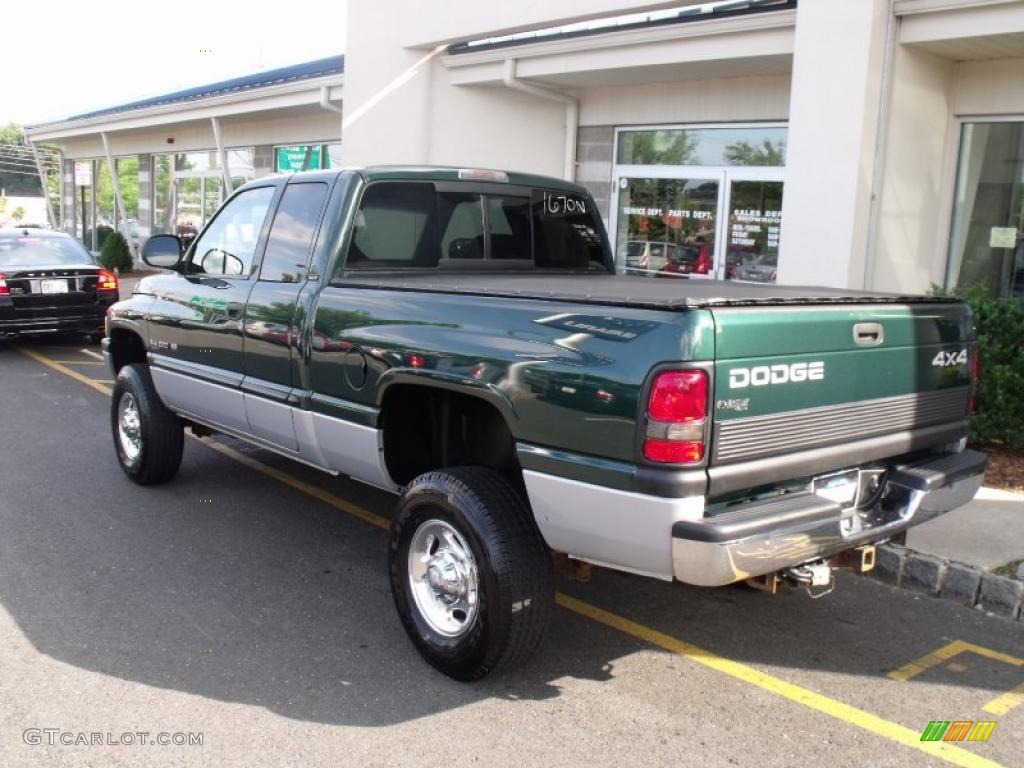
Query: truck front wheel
[[148, 438], [470, 574]]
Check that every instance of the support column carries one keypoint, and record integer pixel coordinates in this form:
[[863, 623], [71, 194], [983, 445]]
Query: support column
[[594, 146], [834, 115], [67, 204], [145, 197], [263, 160]]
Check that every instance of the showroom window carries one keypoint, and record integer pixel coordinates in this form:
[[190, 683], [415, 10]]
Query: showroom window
[[986, 244], [699, 202], [188, 188]]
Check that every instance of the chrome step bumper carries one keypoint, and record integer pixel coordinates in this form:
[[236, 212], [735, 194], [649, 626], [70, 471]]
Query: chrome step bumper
[[765, 536]]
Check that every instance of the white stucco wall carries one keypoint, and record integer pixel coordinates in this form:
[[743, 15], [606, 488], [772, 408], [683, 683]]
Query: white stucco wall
[[994, 87], [688, 101], [397, 112], [919, 164], [837, 84]]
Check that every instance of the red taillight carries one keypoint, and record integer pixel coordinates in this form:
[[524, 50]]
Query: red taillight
[[417, 361], [107, 281], [676, 413], [4, 289], [679, 396]]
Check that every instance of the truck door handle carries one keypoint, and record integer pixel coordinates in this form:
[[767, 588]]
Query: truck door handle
[[868, 334], [234, 310]]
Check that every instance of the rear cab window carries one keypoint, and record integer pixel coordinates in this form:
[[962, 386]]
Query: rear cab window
[[427, 225]]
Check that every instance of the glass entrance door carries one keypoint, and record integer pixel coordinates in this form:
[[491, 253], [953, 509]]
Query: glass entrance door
[[721, 224], [668, 226], [754, 217]]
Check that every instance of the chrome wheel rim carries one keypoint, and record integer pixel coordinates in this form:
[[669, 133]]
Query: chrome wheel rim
[[129, 426], [443, 578]]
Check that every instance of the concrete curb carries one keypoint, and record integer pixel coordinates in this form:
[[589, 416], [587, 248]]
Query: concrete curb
[[949, 580]]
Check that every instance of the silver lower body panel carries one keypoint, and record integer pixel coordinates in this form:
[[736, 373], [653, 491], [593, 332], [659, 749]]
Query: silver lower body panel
[[618, 529]]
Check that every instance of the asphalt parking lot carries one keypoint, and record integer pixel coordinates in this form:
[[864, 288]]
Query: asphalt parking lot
[[248, 601]]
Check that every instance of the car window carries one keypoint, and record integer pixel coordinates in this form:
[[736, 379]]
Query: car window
[[462, 221], [408, 224], [565, 232], [509, 219], [228, 245], [45, 251], [395, 227], [291, 235]]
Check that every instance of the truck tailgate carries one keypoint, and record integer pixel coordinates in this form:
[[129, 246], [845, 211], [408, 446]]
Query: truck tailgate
[[794, 380]]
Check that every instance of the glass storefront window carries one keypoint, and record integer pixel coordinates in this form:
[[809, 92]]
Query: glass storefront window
[[667, 226], [163, 194], [188, 188], [987, 234], [740, 146], [752, 242], [128, 179], [106, 213]]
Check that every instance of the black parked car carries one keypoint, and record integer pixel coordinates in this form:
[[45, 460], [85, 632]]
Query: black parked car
[[50, 282]]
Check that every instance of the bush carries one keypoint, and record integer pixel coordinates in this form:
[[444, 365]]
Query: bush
[[999, 400], [116, 254], [102, 233]]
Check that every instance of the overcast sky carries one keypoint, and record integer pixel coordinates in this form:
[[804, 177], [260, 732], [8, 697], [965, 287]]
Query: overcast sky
[[105, 52]]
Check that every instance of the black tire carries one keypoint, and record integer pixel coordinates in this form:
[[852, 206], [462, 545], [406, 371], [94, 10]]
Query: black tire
[[515, 579], [161, 433]]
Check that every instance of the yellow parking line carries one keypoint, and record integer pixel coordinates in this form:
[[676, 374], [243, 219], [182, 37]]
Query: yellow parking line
[[78, 362], [947, 652], [1003, 704], [772, 684], [65, 370], [743, 672], [90, 353]]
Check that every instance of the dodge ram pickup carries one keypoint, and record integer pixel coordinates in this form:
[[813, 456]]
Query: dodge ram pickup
[[460, 338]]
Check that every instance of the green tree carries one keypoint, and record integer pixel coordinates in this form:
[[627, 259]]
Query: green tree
[[128, 178], [744, 153], [18, 214], [115, 253], [18, 174]]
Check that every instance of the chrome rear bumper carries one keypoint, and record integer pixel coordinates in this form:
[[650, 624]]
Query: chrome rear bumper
[[765, 536]]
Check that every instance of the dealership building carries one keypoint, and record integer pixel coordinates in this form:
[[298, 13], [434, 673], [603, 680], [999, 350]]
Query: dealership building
[[854, 143]]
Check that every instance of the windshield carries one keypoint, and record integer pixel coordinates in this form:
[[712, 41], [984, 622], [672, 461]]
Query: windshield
[[32, 251]]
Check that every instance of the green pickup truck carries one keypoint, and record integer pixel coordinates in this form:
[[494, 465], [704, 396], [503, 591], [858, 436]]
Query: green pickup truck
[[459, 337]]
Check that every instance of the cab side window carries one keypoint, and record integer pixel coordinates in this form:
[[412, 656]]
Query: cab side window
[[291, 235], [228, 245]]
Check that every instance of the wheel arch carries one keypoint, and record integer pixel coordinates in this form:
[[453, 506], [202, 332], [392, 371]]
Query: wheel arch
[[431, 423], [126, 347]]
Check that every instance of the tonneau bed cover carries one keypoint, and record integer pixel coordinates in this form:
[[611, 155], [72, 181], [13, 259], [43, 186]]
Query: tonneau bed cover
[[622, 290]]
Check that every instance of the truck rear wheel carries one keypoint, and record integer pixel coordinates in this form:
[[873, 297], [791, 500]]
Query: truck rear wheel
[[148, 438], [470, 574]]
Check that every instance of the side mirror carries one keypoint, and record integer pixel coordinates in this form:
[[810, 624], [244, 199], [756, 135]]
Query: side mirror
[[163, 251]]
